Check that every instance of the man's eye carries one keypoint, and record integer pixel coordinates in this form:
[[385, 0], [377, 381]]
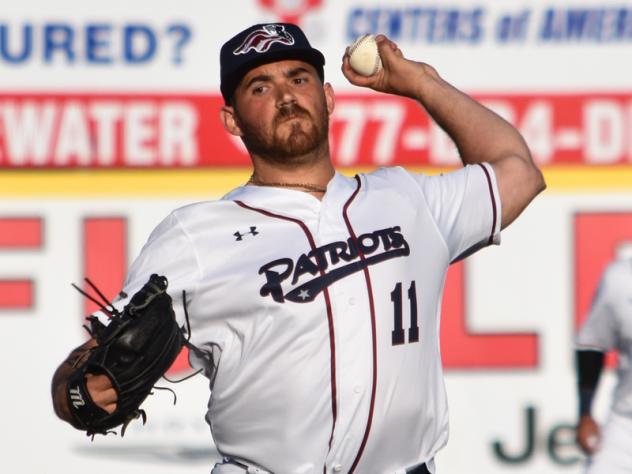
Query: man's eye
[[300, 80]]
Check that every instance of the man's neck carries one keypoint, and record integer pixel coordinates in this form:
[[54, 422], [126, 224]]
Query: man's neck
[[315, 173]]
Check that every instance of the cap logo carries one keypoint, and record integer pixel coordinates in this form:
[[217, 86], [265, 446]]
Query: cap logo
[[262, 39]]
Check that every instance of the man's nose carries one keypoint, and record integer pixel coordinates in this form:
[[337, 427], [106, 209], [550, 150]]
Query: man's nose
[[285, 96]]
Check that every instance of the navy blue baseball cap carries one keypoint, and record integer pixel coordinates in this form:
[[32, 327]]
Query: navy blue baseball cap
[[262, 44]]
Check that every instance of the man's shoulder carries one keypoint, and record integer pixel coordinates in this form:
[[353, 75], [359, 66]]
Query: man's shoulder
[[616, 278], [200, 206], [407, 180], [400, 173], [620, 268], [388, 172], [191, 213], [391, 175]]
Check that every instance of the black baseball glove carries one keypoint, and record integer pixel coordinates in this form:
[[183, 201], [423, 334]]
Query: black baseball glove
[[134, 350]]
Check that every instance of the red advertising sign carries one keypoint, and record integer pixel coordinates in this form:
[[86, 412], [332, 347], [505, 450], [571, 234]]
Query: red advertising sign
[[179, 131]]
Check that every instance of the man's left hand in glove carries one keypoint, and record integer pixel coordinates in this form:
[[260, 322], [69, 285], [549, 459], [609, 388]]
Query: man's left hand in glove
[[103, 382]]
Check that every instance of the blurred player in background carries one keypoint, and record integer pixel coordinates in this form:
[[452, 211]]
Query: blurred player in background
[[608, 327], [314, 298]]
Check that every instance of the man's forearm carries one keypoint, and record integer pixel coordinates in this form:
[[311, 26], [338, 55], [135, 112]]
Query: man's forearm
[[589, 367], [479, 133]]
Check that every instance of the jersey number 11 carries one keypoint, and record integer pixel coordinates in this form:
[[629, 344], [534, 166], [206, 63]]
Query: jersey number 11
[[398, 334]]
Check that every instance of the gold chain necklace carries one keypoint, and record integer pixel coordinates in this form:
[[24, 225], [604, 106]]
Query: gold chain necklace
[[306, 186]]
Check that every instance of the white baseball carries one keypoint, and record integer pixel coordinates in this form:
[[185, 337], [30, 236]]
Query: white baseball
[[364, 57]]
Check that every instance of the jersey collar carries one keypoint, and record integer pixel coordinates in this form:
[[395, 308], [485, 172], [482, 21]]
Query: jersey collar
[[290, 200]]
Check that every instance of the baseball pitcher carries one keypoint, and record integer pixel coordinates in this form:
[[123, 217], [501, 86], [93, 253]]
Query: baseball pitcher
[[314, 298]]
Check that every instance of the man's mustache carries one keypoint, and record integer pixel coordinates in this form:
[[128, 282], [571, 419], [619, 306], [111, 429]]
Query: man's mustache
[[292, 110]]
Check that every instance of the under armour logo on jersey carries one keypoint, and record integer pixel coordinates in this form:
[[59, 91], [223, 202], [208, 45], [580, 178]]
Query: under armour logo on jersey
[[239, 236], [76, 397]]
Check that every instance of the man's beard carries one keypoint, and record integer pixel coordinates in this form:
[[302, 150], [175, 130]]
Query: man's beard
[[295, 147]]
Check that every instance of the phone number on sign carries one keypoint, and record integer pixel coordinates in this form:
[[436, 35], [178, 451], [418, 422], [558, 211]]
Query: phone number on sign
[[174, 131]]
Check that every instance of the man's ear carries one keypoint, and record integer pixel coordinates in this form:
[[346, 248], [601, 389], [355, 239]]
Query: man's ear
[[229, 119], [329, 98]]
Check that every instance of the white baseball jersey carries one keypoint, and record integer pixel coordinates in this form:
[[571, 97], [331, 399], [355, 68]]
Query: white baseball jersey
[[609, 326], [318, 321]]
